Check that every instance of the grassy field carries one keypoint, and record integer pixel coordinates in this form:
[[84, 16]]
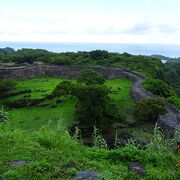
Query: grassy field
[[32, 118], [50, 153], [35, 135]]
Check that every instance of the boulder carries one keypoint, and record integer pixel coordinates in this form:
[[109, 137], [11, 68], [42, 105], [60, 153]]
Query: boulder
[[18, 163], [84, 175], [170, 123], [137, 168]]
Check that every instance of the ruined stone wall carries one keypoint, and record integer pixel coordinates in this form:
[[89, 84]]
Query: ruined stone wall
[[170, 122]]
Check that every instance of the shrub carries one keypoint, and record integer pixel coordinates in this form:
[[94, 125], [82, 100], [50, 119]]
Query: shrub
[[149, 109], [90, 77], [175, 100], [94, 107], [63, 88], [159, 87], [6, 86], [4, 116]]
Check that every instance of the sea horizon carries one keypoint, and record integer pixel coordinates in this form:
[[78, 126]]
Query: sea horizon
[[169, 50]]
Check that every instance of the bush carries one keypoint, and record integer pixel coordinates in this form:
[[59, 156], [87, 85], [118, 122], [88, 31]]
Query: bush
[[149, 109], [4, 116], [6, 86], [90, 77], [159, 87], [94, 107], [175, 100], [63, 88]]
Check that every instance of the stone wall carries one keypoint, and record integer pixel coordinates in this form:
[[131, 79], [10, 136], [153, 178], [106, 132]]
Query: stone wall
[[168, 122]]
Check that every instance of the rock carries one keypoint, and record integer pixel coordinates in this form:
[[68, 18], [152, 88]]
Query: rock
[[124, 138], [18, 163], [170, 123], [143, 141], [137, 168], [84, 175], [71, 164]]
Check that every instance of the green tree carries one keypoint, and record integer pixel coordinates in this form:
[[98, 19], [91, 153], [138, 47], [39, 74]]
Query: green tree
[[159, 87], [6, 86], [90, 77], [62, 89], [149, 109], [98, 54], [94, 107]]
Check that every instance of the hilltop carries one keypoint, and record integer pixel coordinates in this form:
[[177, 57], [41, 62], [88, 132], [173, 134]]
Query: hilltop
[[50, 112]]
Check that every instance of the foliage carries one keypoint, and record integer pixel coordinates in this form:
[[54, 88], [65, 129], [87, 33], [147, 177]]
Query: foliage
[[149, 109], [172, 73], [93, 58], [33, 117], [6, 86], [90, 77], [94, 107], [98, 54], [63, 88], [4, 116], [98, 140], [50, 150], [6, 51], [174, 100], [159, 87]]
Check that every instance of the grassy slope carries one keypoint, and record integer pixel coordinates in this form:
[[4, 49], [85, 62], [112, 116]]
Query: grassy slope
[[51, 150], [32, 118]]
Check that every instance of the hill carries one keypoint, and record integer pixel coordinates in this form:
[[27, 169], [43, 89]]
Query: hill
[[6, 51]]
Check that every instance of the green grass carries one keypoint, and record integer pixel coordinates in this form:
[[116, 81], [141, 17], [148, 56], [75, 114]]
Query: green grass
[[120, 89], [32, 118], [50, 150], [38, 134]]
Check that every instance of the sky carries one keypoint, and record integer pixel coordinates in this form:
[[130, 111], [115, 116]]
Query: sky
[[99, 21]]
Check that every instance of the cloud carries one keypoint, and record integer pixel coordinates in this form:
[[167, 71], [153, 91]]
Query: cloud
[[140, 28], [152, 28]]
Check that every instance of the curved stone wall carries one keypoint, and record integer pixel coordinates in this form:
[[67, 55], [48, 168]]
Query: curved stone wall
[[169, 122]]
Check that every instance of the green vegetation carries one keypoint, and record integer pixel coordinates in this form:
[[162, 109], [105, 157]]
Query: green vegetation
[[33, 117], [6, 51], [93, 58], [160, 88], [4, 116], [90, 77], [172, 73], [95, 108], [149, 109], [51, 153], [6, 86], [34, 128]]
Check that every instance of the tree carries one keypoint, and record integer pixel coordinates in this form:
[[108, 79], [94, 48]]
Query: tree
[[159, 87], [6, 86], [98, 54], [62, 89], [94, 107], [149, 109], [90, 77]]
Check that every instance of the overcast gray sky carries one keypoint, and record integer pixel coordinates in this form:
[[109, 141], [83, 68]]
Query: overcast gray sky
[[103, 21]]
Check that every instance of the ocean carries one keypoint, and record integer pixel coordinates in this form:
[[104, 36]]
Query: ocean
[[136, 49]]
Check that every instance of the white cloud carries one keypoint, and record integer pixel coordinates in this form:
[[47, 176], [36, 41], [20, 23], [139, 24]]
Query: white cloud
[[68, 24]]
